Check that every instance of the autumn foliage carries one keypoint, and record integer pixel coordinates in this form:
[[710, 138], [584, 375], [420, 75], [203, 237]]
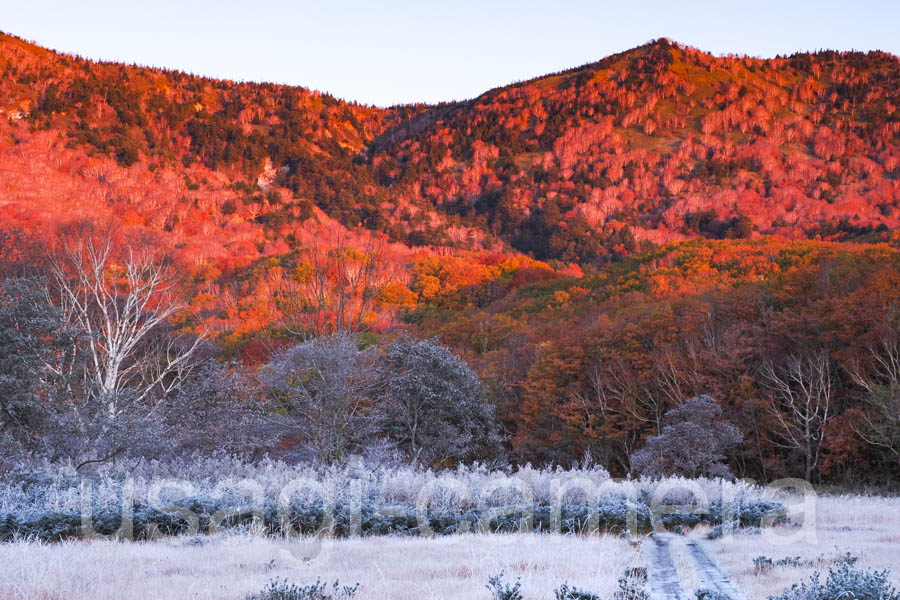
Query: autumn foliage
[[600, 244], [593, 363]]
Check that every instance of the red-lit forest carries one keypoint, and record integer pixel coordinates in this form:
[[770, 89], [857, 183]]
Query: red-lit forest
[[599, 245]]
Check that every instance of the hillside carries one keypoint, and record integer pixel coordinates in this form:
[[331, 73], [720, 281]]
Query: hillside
[[655, 144], [669, 142]]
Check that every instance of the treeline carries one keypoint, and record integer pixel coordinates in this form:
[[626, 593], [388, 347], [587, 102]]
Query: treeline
[[797, 342], [761, 358], [98, 365]]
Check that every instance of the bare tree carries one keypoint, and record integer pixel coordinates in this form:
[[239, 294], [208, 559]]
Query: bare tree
[[803, 400], [616, 388], [608, 396], [881, 383], [122, 309], [337, 290]]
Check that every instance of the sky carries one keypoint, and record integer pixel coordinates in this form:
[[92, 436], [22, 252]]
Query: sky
[[385, 52]]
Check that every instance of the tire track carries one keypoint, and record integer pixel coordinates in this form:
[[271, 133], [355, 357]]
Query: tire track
[[661, 574], [712, 576]]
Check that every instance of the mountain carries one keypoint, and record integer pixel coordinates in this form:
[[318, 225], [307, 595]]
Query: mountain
[[668, 141], [658, 143]]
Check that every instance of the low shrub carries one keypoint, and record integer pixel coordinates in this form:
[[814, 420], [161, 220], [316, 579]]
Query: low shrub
[[282, 590], [501, 590], [564, 592], [762, 565], [708, 594], [843, 582], [204, 514], [633, 585], [846, 559], [209, 495]]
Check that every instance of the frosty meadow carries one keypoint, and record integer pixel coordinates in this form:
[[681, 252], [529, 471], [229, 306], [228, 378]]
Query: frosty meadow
[[221, 528]]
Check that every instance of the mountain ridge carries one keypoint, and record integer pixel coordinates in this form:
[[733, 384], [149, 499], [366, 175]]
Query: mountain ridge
[[659, 143]]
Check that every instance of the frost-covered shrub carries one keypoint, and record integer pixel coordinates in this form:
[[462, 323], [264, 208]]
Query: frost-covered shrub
[[633, 585], [500, 590], [846, 559], [694, 441], [708, 594], [564, 592], [762, 565], [843, 582], [210, 494], [282, 590]]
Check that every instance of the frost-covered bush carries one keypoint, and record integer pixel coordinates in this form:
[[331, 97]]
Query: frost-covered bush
[[633, 585], [762, 565], [843, 582], [500, 590], [210, 494], [564, 592], [708, 594], [282, 590], [694, 441]]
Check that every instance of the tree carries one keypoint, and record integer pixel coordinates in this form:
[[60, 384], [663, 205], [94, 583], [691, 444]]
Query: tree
[[217, 409], [881, 383], [324, 391], [32, 336], [336, 291], [126, 361], [694, 441], [123, 310], [436, 409], [802, 402]]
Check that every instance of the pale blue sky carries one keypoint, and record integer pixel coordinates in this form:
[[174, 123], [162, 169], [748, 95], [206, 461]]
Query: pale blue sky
[[390, 51]]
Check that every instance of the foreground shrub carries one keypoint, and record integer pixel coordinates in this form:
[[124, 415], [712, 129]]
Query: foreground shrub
[[564, 592], [205, 514], [708, 594], [503, 591], [762, 565], [282, 590], [633, 585], [843, 582]]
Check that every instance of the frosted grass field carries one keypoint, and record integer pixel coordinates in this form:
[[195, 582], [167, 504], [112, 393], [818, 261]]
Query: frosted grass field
[[231, 567], [867, 527], [235, 562]]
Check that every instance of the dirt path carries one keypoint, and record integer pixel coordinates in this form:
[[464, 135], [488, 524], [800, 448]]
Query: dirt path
[[712, 576], [661, 574]]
